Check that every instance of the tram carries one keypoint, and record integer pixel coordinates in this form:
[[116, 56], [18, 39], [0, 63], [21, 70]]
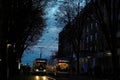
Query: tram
[[62, 66], [39, 66]]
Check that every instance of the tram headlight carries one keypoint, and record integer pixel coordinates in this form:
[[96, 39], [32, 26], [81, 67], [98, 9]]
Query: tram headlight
[[44, 70], [37, 70]]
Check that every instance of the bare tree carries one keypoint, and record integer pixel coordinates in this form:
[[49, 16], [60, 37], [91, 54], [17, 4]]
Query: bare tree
[[68, 10], [22, 24], [67, 15]]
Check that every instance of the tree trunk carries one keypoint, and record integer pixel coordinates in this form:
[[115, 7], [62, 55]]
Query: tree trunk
[[78, 65], [3, 73]]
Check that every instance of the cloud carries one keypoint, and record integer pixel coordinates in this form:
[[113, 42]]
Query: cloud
[[54, 29], [49, 40]]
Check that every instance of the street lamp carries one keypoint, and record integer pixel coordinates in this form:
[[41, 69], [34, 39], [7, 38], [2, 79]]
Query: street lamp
[[8, 45]]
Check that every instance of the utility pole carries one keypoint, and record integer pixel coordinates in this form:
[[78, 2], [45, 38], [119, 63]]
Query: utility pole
[[41, 47], [41, 52]]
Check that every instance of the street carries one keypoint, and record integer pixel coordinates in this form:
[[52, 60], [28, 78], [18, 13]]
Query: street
[[62, 39], [32, 77], [47, 77], [51, 77], [39, 77]]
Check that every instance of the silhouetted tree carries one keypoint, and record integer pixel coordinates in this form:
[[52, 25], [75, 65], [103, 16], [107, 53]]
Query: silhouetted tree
[[68, 10], [66, 15], [22, 24]]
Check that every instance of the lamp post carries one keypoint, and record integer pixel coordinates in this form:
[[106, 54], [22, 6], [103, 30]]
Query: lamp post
[[7, 57]]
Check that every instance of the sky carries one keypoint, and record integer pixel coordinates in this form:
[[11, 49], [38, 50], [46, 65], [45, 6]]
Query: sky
[[49, 40]]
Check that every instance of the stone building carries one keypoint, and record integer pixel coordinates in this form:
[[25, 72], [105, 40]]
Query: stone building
[[90, 29]]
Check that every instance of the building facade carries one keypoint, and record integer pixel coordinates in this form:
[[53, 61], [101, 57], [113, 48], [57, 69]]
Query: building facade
[[89, 30]]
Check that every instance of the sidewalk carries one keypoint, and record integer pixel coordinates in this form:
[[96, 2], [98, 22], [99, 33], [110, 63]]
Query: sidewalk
[[83, 77], [88, 77]]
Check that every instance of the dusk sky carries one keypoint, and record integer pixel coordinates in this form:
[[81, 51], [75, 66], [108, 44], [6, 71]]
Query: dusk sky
[[49, 40]]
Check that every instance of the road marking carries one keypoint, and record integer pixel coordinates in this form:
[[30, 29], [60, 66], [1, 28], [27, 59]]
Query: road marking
[[51, 78]]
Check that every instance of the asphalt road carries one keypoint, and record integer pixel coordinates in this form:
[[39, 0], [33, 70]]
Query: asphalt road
[[42, 77]]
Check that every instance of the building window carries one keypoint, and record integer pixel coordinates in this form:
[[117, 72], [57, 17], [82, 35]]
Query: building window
[[91, 26], [96, 24], [90, 48], [95, 36], [91, 37], [87, 29], [95, 48], [87, 39]]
